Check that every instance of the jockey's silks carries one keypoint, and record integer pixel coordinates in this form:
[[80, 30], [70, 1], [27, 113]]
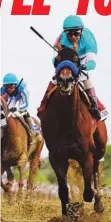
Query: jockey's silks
[[87, 45], [21, 96]]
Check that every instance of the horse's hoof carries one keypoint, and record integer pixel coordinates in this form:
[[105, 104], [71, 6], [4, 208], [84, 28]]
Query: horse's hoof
[[98, 207]]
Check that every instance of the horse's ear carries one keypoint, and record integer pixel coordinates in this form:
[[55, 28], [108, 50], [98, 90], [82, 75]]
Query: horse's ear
[[76, 60], [59, 46], [57, 60]]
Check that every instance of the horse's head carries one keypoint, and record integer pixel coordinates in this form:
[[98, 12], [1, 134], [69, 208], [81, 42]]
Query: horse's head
[[66, 64], [67, 54]]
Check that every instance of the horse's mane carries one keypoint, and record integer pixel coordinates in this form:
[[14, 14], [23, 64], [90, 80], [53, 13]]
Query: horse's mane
[[4, 105]]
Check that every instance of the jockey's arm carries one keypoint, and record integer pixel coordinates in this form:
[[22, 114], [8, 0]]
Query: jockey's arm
[[57, 44], [90, 61], [91, 49], [3, 93], [5, 96], [24, 101]]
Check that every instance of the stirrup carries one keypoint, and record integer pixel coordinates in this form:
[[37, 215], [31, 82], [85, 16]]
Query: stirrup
[[36, 129], [95, 113], [94, 108]]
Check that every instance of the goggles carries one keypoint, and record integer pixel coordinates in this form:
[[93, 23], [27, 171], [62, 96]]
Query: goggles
[[9, 86], [74, 32]]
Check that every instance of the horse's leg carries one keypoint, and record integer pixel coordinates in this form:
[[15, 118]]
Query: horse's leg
[[100, 138], [7, 155], [98, 206], [8, 186], [10, 175], [70, 176], [34, 161], [87, 168], [21, 164], [60, 168]]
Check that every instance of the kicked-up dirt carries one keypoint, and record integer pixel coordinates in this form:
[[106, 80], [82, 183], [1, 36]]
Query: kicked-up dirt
[[33, 207]]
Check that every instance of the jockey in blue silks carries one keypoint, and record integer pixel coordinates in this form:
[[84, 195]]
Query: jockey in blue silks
[[17, 98], [82, 40]]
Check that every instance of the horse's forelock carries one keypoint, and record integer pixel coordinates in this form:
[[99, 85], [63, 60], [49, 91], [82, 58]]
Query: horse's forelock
[[67, 54]]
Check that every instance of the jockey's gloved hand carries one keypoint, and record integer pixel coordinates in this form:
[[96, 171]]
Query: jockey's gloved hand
[[83, 67], [13, 109]]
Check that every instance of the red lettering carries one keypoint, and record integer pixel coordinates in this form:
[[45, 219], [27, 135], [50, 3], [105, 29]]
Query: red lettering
[[101, 9], [39, 8], [19, 9], [82, 7], [0, 2]]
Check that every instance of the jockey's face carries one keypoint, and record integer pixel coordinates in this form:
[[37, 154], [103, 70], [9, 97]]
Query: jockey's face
[[73, 35], [10, 88]]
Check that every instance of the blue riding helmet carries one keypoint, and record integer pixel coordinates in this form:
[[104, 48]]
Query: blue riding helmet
[[10, 78], [73, 22]]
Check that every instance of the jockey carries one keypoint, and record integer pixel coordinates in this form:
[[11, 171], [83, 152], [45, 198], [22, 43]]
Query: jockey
[[81, 39], [17, 98]]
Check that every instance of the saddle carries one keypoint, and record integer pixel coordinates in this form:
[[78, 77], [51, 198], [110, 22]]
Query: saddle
[[84, 96], [31, 134]]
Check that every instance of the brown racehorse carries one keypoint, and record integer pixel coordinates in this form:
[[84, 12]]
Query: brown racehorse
[[70, 132], [15, 149]]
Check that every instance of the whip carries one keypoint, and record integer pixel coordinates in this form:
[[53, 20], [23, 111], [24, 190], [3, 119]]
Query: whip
[[40, 36]]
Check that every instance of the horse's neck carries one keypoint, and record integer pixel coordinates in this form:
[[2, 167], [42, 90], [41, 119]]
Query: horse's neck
[[73, 106], [67, 106], [82, 114]]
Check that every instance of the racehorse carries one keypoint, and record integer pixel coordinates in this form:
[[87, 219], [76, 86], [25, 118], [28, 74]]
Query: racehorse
[[70, 132], [17, 151]]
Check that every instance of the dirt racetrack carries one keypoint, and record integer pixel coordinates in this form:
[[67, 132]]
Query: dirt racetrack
[[39, 208]]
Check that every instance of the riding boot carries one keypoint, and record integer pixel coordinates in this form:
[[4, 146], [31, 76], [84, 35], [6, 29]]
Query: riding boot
[[104, 112], [94, 106], [32, 125], [42, 107]]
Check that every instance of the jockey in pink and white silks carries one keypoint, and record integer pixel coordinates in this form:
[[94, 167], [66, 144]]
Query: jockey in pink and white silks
[[82, 40], [17, 98]]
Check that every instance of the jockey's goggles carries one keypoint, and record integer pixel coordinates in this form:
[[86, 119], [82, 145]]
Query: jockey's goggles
[[9, 86], [76, 33]]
